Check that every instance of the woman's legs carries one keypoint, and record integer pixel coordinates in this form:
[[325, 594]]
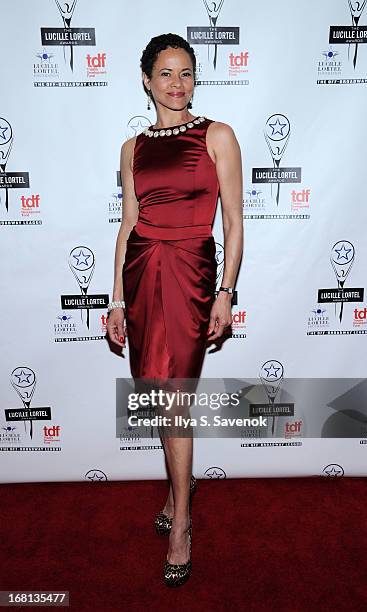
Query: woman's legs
[[177, 441], [169, 506], [178, 452]]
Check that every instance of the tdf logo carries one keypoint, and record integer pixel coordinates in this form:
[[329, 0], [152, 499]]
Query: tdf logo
[[30, 204], [96, 61], [239, 60], [360, 314], [96, 64]]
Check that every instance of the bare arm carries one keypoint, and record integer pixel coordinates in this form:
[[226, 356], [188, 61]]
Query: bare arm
[[129, 218], [224, 148]]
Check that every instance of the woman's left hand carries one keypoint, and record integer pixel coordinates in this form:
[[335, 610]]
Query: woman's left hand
[[220, 316]]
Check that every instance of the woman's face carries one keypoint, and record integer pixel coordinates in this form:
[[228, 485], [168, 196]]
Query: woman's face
[[172, 82]]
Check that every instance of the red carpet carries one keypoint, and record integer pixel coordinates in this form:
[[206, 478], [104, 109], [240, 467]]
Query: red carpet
[[287, 544]]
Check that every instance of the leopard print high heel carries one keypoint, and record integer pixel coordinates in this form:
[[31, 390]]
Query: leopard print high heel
[[176, 574], [162, 522]]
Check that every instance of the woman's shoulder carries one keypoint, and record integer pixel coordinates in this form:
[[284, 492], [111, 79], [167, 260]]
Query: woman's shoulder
[[218, 131], [127, 151], [129, 144], [219, 126]]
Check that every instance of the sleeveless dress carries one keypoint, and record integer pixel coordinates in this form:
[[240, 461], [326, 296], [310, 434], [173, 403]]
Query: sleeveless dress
[[169, 272]]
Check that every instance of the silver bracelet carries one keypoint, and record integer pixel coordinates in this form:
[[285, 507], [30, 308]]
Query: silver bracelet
[[113, 305]]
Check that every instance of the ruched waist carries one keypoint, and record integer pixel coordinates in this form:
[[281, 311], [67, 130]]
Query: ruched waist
[[172, 233]]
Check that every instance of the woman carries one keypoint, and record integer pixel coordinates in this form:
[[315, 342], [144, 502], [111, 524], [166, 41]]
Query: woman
[[165, 265]]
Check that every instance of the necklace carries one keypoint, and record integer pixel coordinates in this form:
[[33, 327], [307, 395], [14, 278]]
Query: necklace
[[173, 130]]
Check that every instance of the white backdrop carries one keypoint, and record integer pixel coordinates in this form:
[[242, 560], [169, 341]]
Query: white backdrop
[[296, 99]]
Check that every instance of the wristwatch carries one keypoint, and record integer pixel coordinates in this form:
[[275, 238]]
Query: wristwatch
[[226, 289]]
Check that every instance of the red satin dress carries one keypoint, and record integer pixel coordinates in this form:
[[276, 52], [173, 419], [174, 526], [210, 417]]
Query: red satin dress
[[169, 272]]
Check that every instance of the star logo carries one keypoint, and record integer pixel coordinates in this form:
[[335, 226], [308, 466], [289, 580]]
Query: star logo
[[44, 56], [333, 470], [81, 256], [319, 311], [137, 127], [2, 132], [272, 371], [253, 192], [330, 55], [277, 127], [343, 253], [215, 472], [23, 377], [137, 124], [95, 476], [116, 197]]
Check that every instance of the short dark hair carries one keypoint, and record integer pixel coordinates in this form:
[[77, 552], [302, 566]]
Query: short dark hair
[[158, 44]]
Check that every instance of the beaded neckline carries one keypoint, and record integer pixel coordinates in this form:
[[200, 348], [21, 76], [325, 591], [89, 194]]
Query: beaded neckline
[[174, 130]]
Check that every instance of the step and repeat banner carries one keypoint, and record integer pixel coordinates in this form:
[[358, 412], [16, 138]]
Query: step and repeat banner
[[290, 78]]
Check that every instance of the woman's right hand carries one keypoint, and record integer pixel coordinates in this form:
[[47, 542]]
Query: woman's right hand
[[116, 326]]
